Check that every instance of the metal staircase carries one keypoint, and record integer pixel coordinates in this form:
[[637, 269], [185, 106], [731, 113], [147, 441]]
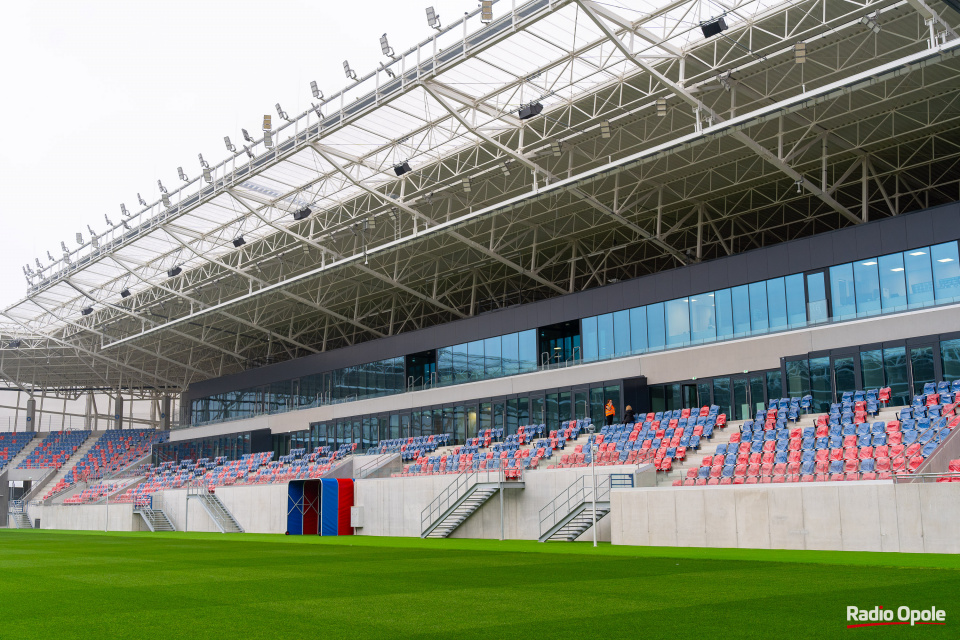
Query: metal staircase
[[217, 511], [571, 514], [19, 517], [462, 498], [156, 519]]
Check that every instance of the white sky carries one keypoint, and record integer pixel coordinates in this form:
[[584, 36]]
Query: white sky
[[104, 97]]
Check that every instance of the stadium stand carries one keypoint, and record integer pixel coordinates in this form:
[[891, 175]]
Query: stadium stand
[[55, 449], [11, 444]]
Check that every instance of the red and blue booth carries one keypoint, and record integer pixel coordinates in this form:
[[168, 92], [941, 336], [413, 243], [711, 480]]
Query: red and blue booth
[[319, 507]]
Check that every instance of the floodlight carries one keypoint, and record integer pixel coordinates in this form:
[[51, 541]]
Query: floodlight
[[249, 153], [39, 266], [166, 199], [125, 293], [50, 256], [206, 174], [504, 168], [800, 52], [86, 311], [316, 110], [239, 241], [203, 163], [63, 245], [350, 73], [123, 210], [302, 214], [530, 110], [604, 128], [268, 121], [107, 218], [230, 147], [556, 148], [95, 242], [125, 225], [163, 189], [315, 90], [247, 136], [402, 168], [486, 11], [713, 28], [467, 185], [182, 175], [174, 271], [871, 23], [385, 46], [79, 238], [433, 19], [268, 139], [141, 200], [661, 107], [282, 113]]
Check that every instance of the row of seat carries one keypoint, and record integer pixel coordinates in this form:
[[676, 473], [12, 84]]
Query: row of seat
[[54, 450], [11, 444]]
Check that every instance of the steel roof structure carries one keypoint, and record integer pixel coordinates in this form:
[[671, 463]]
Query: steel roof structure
[[655, 147]]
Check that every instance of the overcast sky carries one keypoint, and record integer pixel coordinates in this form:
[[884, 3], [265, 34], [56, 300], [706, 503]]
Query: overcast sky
[[104, 97]]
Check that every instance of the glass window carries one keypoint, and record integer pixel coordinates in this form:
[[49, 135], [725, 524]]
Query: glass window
[[816, 298], [677, 314], [475, 359], [919, 277], [588, 330], [613, 393], [820, 383], [596, 406], [724, 313], [486, 415], [741, 310], [866, 279], [528, 350], [553, 419], [537, 411], [921, 362], [605, 335], [774, 385], [721, 394], [895, 369], [655, 332], [459, 424], [460, 359], [471, 421], [580, 405], [842, 291], [796, 300], [657, 402], [523, 411], [759, 320], [510, 354], [777, 303], [621, 333], [871, 368], [893, 284], [704, 394], [498, 415], [445, 365], [950, 357], [946, 270], [638, 329], [563, 407], [512, 417], [844, 375], [798, 378], [703, 319], [493, 368]]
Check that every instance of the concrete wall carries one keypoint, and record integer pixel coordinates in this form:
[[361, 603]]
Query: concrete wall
[[722, 358], [92, 517], [393, 506], [863, 516], [258, 509]]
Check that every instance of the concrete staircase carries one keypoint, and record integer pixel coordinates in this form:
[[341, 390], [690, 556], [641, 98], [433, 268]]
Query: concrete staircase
[[156, 519], [217, 511]]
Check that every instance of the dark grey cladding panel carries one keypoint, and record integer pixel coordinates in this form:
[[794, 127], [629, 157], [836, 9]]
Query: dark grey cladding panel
[[681, 284], [945, 221], [868, 239], [821, 253], [646, 291], [699, 278], [920, 231], [718, 273], [797, 255], [893, 235], [738, 269]]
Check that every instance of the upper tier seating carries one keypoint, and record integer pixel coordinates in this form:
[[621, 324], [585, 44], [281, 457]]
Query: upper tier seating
[[12, 444], [55, 449]]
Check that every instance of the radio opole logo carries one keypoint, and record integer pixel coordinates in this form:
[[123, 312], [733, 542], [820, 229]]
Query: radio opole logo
[[878, 616]]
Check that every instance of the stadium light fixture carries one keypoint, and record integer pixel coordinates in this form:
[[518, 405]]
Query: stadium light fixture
[[557, 148], [125, 225], [163, 189], [239, 242], [86, 311], [661, 107], [249, 153], [800, 53], [402, 168], [107, 218], [385, 46], [230, 147], [175, 271], [604, 129], [79, 238], [350, 73], [433, 19], [267, 121], [50, 256], [713, 28], [528, 111], [125, 293], [123, 210], [182, 175], [870, 22], [467, 185], [39, 265], [205, 168], [267, 133], [165, 197], [282, 113], [247, 136], [315, 90], [504, 168], [302, 214], [90, 231], [486, 11]]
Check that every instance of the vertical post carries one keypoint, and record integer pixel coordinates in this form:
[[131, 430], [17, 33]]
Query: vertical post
[[593, 472], [186, 512], [501, 502]]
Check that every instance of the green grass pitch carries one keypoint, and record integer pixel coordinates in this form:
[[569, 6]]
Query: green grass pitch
[[61, 585]]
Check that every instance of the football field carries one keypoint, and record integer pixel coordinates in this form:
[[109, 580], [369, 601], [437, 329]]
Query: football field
[[176, 585]]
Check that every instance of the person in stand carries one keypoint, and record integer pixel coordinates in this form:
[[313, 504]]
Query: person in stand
[[628, 417], [610, 412]]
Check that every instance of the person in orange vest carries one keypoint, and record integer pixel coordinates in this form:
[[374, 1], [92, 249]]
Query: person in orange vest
[[610, 412]]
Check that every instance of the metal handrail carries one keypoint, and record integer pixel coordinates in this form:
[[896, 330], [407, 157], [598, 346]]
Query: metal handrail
[[953, 476], [577, 493], [447, 497]]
